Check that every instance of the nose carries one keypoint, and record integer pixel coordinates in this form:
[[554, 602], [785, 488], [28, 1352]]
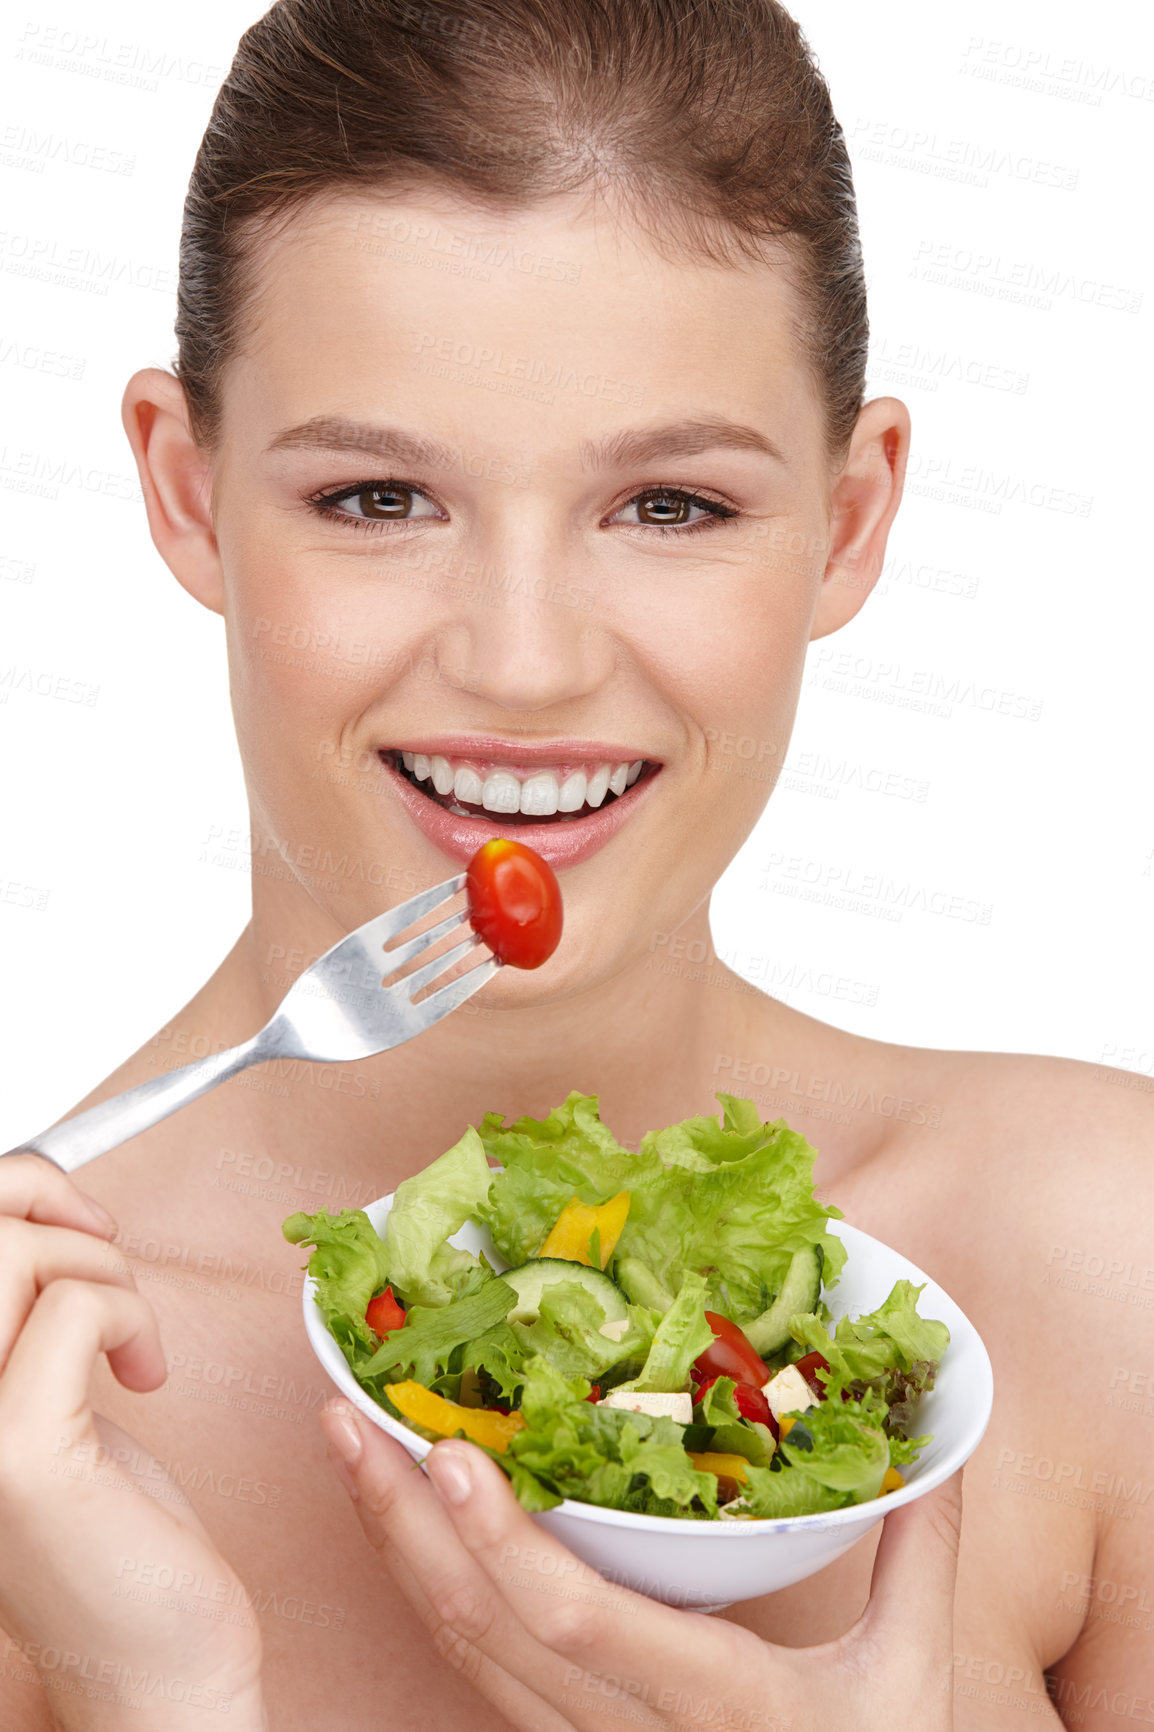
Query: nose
[[528, 637]]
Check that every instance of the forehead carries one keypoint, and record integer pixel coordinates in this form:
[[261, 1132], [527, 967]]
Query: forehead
[[535, 322]]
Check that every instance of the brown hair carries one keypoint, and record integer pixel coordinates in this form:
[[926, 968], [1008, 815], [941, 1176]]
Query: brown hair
[[708, 118]]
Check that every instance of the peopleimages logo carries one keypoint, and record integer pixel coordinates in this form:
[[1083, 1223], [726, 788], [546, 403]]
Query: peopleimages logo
[[924, 151], [907, 687], [1021, 281], [871, 893]]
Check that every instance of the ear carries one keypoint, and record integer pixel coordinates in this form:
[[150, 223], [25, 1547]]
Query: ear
[[176, 479], [866, 496]]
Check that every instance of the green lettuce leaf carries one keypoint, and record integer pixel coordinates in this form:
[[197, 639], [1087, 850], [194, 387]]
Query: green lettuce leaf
[[681, 1337], [601, 1455], [548, 1162], [431, 1333], [771, 1494], [733, 1203], [426, 1211], [836, 1445], [891, 1353], [499, 1355], [726, 1429], [349, 1266], [567, 1333]]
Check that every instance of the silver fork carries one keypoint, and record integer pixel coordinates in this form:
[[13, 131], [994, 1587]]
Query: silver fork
[[335, 1011]]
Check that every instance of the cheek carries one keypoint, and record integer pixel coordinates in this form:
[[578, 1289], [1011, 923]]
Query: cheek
[[299, 674], [740, 652]]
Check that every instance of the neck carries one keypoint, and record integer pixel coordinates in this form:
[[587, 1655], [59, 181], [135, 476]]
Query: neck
[[653, 1042]]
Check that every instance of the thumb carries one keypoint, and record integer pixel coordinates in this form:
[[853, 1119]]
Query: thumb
[[915, 1571]]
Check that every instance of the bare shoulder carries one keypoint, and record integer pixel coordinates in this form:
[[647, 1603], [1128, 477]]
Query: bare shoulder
[[1063, 1152], [1029, 1185], [1073, 1141]]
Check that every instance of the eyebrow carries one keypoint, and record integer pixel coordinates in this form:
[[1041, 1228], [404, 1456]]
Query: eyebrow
[[685, 438]]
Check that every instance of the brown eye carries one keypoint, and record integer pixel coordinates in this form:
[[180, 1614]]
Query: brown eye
[[384, 501], [669, 508], [375, 502], [666, 508]]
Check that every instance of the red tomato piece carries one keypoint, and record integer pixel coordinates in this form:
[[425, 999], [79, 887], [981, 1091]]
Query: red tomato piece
[[385, 1313], [750, 1402], [808, 1365], [594, 1392], [731, 1355], [514, 902]]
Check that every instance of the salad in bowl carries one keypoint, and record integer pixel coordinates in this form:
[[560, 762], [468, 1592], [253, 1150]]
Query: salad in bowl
[[644, 1332]]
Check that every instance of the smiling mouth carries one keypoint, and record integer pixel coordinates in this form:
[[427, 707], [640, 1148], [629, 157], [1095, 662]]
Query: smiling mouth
[[482, 788]]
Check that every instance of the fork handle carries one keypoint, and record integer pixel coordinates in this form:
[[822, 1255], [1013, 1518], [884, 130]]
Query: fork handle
[[111, 1122]]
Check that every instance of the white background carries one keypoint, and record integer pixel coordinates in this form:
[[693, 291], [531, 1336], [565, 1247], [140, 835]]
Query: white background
[[1001, 154]]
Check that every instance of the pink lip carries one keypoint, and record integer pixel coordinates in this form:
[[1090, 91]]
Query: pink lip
[[562, 844], [492, 747]]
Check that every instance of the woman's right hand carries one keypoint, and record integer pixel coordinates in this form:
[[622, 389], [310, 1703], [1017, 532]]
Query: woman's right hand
[[79, 1497]]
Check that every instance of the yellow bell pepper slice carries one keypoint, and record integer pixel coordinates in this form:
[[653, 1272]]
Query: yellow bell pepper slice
[[713, 1461], [784, 1424], [725, 1467], [494, 1430], [571, 1232], [891, 1481]]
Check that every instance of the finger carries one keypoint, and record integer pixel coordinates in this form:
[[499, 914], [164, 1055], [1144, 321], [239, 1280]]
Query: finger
[[915, 1571], [405, 1522], [32, 1256], [571, 1610], [33, 1188], [44, 1391], [139, 1469]]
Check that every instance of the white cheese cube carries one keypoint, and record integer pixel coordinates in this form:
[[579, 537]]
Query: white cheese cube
[[788, 1392], [678, 1406]]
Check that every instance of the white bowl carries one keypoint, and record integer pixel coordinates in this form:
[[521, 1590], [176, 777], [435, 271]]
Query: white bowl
[[707, 1565]]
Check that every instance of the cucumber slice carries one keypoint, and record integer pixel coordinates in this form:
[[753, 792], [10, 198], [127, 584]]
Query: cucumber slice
[[800, 1291], [531, 1279], [642, 1285]]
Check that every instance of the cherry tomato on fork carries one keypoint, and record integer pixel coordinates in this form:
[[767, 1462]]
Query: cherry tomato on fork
[[731, 1354], [514, 902]]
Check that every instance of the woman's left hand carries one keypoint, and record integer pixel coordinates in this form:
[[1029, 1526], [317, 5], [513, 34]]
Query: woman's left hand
[[556, 1648]]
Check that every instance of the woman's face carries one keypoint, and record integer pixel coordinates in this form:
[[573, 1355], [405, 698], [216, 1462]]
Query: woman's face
[[516, 504]]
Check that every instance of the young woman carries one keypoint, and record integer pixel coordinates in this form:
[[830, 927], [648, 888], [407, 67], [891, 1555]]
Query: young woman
[[518, 427]]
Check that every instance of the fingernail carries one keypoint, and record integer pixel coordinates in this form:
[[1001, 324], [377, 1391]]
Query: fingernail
[[450, 1474], [100, 1215], [340, 1423]]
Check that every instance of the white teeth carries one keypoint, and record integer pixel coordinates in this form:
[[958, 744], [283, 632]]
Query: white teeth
[[572, 795], [442, 774], [539, 794], [501, 793], [467, 785], [598, 785]]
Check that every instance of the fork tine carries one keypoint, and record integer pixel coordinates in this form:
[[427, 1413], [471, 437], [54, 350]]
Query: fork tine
[[405, 952], [447, 998], [430, 970], [395, 920]]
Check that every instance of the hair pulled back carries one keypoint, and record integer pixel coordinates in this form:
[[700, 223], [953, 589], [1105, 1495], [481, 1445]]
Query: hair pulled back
[[707, 120]]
